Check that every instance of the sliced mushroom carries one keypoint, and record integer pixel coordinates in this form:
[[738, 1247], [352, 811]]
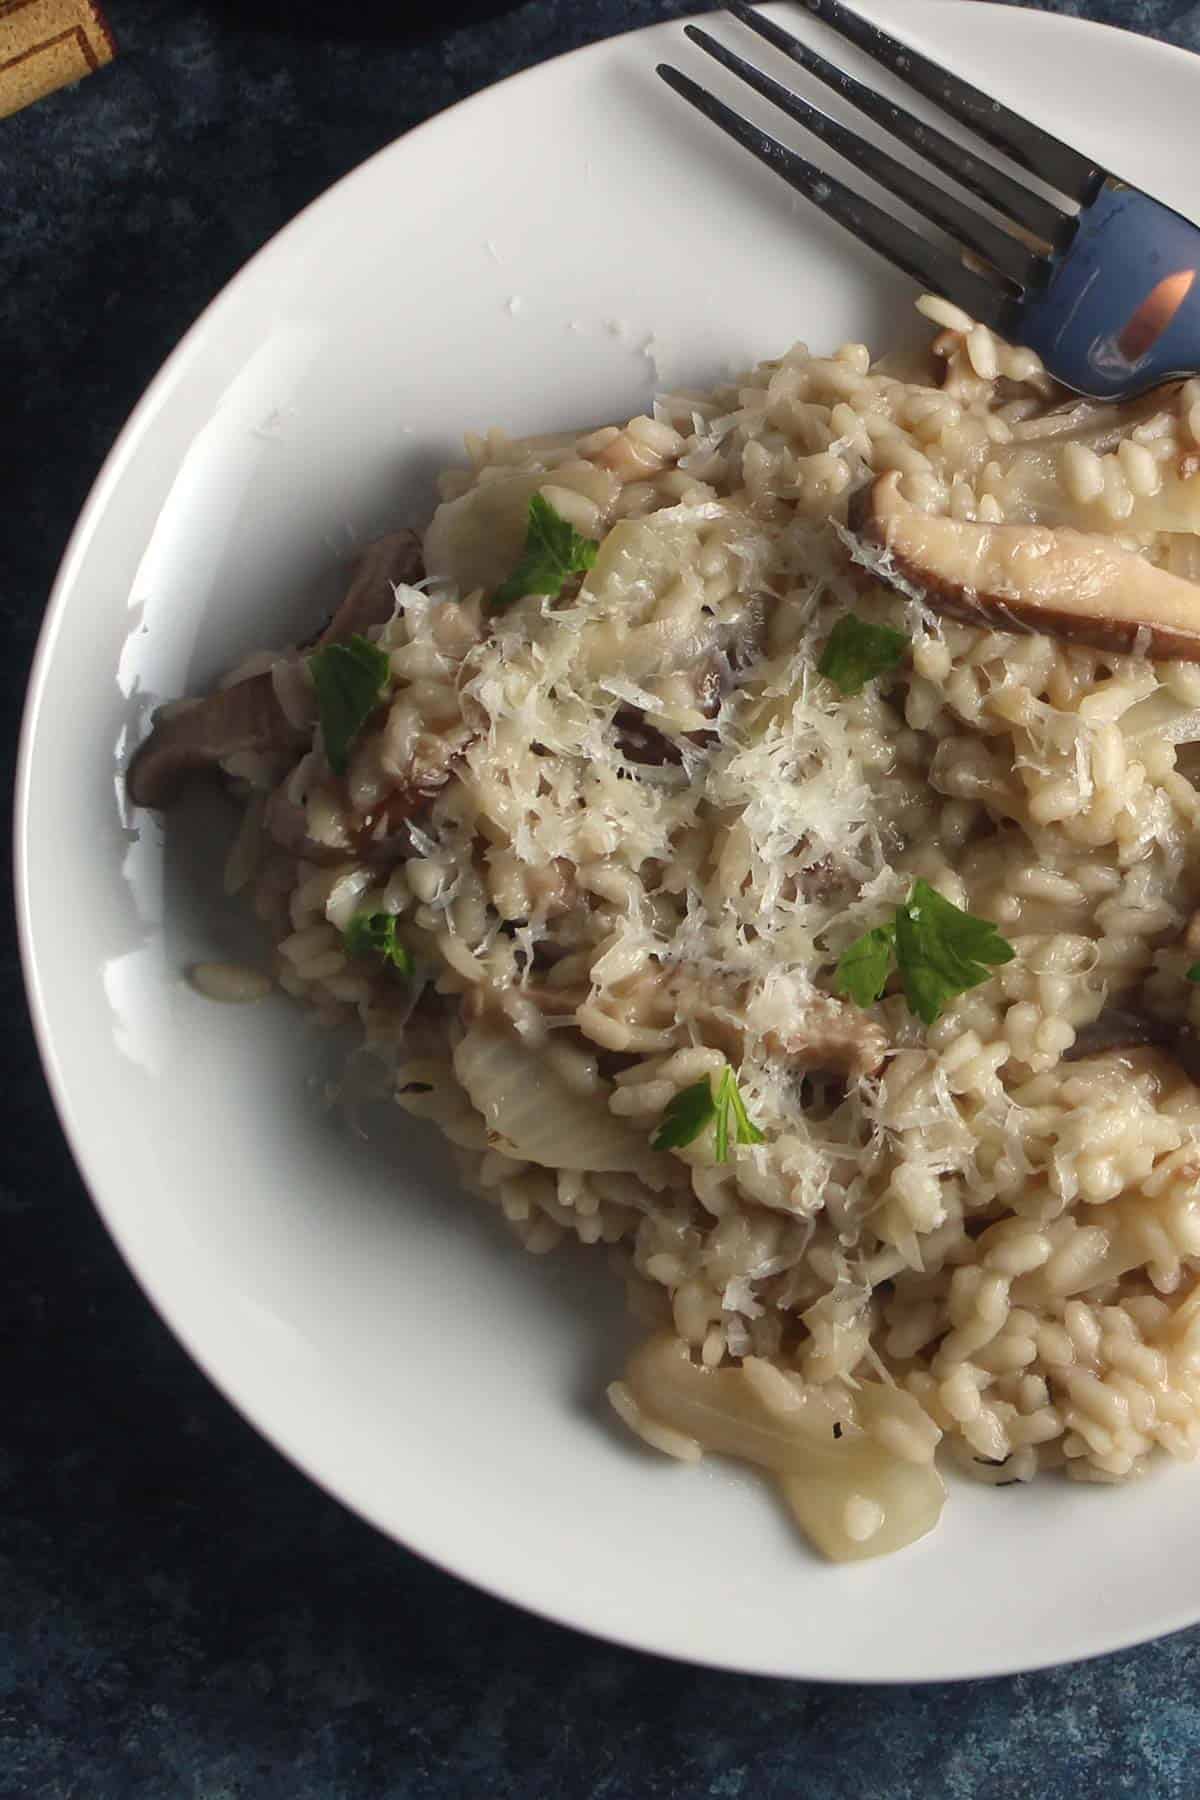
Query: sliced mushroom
[[1131, 1027], [370, 599], [834, 1039], [825, 1036], [642, 743], [1119, 1030], [1066, 583], [1185, 1048], [199, 735], [248, 716]]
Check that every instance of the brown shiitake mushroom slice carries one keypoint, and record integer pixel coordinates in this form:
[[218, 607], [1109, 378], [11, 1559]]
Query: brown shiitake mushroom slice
[[1068, 584]]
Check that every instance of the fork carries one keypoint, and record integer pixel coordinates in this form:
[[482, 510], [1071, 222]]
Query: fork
[[1103, 288]]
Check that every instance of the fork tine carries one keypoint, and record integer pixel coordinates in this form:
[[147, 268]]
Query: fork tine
[[991, 185], [1005, 253], [935, 269], [1036, 150]]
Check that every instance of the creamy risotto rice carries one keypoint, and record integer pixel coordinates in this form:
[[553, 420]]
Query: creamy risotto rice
[[610, 872]]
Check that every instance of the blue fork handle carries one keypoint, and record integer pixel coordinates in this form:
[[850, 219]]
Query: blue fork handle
[[1121, 310]]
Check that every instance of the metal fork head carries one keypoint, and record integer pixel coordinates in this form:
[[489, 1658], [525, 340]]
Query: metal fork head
[[1010, 197], [1018, 138], [935, 269], [1109, 296], [1006, 254]]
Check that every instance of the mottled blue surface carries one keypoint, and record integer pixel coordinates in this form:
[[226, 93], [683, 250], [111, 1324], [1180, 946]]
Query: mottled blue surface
[[181, 1613]]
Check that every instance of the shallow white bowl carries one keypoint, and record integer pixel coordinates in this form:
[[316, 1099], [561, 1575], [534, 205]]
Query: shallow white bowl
[[531, 257]]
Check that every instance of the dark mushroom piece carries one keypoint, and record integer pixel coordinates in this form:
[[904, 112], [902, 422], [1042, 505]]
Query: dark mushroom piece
[[1121, 1028], [826, 1036], [248, 716], [643, 743], [1067, 583], [370, 599], [831, 1038], [201, 733]]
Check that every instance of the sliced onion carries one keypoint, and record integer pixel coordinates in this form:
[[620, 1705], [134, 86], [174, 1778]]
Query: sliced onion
[[838, 1482], [535, 1115]]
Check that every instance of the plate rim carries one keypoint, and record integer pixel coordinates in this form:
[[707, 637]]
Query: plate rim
[[460, 1564]]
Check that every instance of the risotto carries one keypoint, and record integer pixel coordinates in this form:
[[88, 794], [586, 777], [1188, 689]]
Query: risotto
[[764, 837]]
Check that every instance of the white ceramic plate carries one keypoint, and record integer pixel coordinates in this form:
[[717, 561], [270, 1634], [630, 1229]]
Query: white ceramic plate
[[511, 261]]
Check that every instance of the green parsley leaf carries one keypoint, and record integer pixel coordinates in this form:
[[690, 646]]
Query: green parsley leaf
[[374, 934], [685, 1117], [729, 1095], [942, 951], [695, 1107], [856, 652], [1193, 973], [349, 679], [553, 551], [721, 1133], [863, 969]]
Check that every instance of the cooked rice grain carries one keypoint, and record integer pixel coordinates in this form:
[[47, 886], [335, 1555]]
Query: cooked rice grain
[[232, 983]]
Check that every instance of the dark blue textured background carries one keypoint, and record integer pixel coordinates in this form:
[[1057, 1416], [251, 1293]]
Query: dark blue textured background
[[181, 1613]]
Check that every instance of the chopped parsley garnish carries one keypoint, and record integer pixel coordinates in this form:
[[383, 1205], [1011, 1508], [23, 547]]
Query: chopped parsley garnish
[[940, 952], [732, 1108], [349, 679], [685, 1117], [1193, 973], [856, 652], [374, 934], [695, 1107], [863, 970], [554, 550]]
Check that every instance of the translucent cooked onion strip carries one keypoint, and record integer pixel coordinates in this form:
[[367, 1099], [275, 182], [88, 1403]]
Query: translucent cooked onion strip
[[536, 1115], [852, 1498]]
